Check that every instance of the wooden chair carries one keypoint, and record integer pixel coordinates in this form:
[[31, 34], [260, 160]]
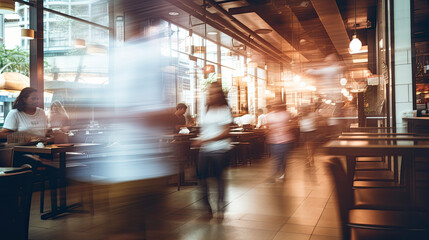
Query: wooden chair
[[368, 224], [6, 156], [47, 170], [15, 203]]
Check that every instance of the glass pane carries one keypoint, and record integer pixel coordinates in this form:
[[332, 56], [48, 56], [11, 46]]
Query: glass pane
[[262, 84], [174, 37], [198, 46], [227, 58], [14, 58], [183, 34], [261, 73], [80, 11], [251, 88], [94, 11], [211, 51], [76, 75], [100, 12], [59, 8], [186, 89]]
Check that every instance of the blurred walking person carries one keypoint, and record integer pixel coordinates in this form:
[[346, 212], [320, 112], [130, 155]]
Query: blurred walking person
[[307, 125], [280, 139], [215, 145]]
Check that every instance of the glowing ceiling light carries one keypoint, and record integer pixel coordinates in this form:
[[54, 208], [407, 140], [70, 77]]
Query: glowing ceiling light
[[297, 78], [355, 44], [343, 81]]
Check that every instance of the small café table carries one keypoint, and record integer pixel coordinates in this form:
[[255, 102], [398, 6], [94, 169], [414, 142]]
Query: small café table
[[60, 149], [376, 134], [384, 138], [352, 149]]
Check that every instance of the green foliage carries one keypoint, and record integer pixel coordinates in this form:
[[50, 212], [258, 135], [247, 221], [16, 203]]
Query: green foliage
[[19, 59], [212, 77]]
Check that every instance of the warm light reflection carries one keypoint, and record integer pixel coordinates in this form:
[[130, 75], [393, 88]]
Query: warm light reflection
[[297, 78]]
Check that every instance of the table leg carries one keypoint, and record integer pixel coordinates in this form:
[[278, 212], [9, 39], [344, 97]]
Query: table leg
[[396, 168], [63, 184], [62, 189], [410, 161], [351, 165]]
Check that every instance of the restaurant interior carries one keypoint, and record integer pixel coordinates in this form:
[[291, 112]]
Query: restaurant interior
[[334, 93]]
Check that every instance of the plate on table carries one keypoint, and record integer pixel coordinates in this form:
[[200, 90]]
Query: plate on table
[[65, 145]]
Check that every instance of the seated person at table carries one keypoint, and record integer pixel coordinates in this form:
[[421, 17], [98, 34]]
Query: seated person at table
[[246, 121], [59, 122], [58, 117], [25, 117], [178, 120], [262, 119]]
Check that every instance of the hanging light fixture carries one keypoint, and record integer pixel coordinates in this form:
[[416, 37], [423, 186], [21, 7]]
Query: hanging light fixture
[[355, 44], [189, 43], [79, 43], [27, 33], [7, 6]]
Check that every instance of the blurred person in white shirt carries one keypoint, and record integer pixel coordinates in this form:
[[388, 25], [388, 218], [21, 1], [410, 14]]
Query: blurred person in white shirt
[[215, 145], [308, 129], [262, 119]]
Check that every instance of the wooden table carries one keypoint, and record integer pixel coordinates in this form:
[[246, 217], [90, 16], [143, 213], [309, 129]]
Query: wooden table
[[178, 137], [418, 124], [60, 149], [353, 149], [376, 134], [371, 129], [384, 138]]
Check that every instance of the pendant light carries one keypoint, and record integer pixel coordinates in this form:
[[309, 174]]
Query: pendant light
[[27, 33], [7, 6], [355, 44]]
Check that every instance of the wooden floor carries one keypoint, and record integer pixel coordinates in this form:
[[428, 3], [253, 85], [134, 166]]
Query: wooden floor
[[301, 207]]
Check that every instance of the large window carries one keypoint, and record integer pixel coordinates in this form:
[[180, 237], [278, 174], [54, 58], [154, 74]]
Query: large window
[[14, 58], [76, 64]]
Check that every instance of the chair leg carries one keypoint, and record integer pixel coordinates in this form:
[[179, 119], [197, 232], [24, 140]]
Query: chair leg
[[42, 196], [249, 156]]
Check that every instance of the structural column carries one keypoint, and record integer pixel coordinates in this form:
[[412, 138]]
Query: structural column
[[402, 60], [36, 47]]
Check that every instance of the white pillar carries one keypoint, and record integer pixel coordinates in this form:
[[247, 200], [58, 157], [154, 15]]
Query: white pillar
[[402, 65]]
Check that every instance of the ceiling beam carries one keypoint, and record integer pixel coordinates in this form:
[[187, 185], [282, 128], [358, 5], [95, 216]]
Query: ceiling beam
[[241, 10], [330, 16], [227, 1], [226, 27]]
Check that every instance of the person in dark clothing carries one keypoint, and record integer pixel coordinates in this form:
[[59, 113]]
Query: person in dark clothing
[[178, 120]]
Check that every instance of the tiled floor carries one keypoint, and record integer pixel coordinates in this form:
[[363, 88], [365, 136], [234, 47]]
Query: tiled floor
[[301, 207]]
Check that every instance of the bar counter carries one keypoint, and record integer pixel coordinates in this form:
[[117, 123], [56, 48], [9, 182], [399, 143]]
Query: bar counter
[[419, 125]]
